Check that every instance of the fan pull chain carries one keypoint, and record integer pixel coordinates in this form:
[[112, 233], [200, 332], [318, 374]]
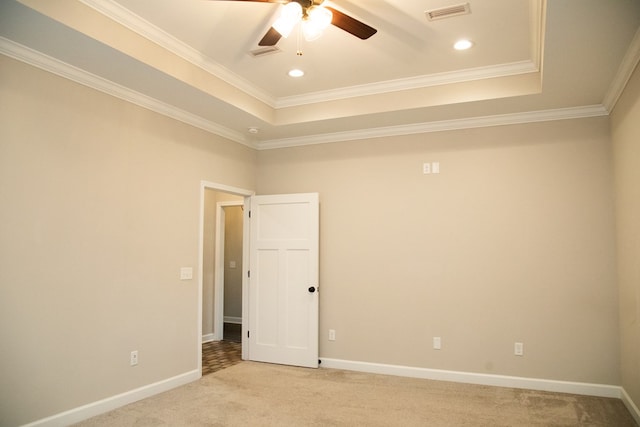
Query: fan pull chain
[[299, 49]]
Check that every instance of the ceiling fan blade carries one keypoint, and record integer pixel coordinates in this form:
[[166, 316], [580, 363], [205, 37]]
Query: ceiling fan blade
[[271, 38], [351, 25]]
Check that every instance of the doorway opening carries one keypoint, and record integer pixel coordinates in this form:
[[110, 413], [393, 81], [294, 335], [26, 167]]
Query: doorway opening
[[221, 258], [227, 319]]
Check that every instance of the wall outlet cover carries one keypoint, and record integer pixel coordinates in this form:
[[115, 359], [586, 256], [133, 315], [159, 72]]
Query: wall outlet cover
[[133, 359], [518, 349]]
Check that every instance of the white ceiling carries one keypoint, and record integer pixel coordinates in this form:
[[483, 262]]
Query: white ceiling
[[190, 59]]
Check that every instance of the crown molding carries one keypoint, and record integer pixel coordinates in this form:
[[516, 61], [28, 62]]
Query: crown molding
[[538, 24], [627, 66], [437, 79], [67, 71], [439, 126]]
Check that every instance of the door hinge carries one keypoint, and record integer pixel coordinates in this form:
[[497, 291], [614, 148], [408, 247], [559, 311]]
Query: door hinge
[[249, 273], [249, 214], [248, 334]]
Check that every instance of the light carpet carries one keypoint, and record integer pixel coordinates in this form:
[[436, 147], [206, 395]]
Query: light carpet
[[258, 394]]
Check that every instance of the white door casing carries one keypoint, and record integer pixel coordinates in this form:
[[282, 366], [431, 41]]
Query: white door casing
[[283, 279]]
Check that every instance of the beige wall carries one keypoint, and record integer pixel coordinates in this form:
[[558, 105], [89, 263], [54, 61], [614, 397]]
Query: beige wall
[[233, 252], [512, 241], [100, 204], [625, 124]]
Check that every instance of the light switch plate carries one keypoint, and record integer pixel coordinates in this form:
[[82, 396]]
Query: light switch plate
[[186, 273], [437, 343]]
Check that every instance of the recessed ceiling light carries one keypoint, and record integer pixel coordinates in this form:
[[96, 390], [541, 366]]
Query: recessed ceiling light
[[463, 44], [296, 73]]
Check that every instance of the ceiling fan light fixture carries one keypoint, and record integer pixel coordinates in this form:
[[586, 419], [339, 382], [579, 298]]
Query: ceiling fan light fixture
[[290, 15], [310, 31], [320, 16], [316, 21]]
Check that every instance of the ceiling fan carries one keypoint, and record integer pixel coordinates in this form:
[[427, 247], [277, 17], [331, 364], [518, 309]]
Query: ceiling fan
[[314, 18]]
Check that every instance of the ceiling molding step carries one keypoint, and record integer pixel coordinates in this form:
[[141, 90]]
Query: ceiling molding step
[[627, 66], [439, 126], [44, 62], [438, 79], [144, 28]]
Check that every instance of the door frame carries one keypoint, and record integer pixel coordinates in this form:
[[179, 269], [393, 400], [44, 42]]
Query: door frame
[[218, 287], [208, 185]]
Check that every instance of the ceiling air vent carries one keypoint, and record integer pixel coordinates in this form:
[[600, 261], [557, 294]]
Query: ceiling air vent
[[448, 12], [264, 51]]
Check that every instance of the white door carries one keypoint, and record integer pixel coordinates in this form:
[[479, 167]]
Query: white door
[[283, 282]]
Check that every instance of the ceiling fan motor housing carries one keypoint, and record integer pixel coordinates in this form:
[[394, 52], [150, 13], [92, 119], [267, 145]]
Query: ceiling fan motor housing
[[308, 3]]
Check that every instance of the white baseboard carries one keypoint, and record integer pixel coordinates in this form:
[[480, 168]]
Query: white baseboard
[[101, 406], [231, 319], [600, 390], [208, 338], [633, 409]]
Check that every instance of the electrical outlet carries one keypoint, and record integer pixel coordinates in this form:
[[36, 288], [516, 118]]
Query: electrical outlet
[[134, 358], [518, 349], [332, 334], [437, 343]]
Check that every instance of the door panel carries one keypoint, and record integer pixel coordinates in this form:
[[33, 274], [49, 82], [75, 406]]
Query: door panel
[[283, 313]]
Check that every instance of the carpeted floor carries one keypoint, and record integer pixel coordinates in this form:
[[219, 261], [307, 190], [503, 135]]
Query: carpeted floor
[[258, 394]]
